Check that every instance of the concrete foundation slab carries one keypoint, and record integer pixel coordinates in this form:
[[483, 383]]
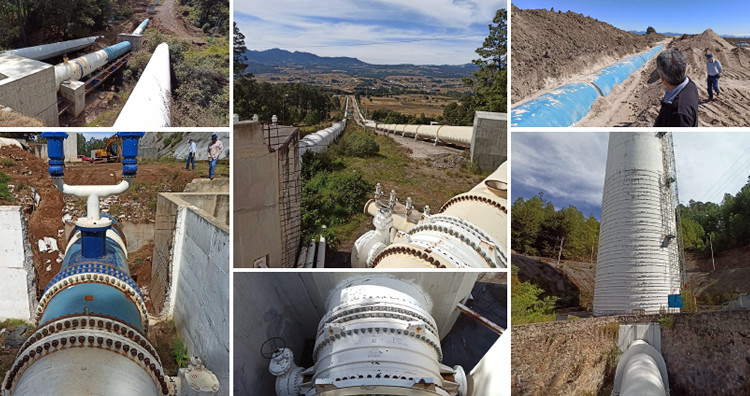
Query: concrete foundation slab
[[489, 140], [17, 282], [136, 40], [28, 87], [74, 92]]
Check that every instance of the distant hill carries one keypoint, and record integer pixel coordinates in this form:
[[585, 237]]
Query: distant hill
[[273, 60], [643, 32]]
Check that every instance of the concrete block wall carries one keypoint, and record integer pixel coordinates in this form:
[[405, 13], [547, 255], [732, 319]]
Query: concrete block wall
[[28, 87], [201, 289], [489, 141], [161, 261], [70, 147], [257, 217], [17, 277]]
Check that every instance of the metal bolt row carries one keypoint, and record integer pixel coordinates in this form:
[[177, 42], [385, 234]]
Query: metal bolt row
[[92, 267], [424, 256], [457, 235], [371, 312], [369, 331], [471, 197], [61, 341]]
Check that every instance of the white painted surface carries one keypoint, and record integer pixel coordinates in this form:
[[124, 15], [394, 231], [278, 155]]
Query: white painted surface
[[636, 268], [491, 376], [200, 292], [89, 371], [149, 104], [16, 266], [45, 51], [319, 141]]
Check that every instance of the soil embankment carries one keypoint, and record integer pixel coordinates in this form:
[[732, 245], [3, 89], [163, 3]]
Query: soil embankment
[[553, 48]]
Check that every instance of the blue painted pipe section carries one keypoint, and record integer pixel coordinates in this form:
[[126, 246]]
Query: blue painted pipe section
[[568, 104], [130, 152], [96, 299], [142, 26], [559, 108], [117, 50], [55, 152]]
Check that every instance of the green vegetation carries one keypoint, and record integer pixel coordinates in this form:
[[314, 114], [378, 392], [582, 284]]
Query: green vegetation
[[358, 145], [537, 229], [667, 322], [294, 104], [689, 303], [209, 15], [4, 193], [8, 162], [725, 226], [331, 195], [32, 22], [525, 304], [650, 30], [179, 353], [13, 323]]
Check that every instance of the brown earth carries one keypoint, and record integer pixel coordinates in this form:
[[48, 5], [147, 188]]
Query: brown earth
[[45, 219], [9, 118], [550, 48], [167, 19], [571, 281]]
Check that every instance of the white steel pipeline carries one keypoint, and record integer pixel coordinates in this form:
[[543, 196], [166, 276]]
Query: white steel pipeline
[[82, 66], [319, 141], [641, 371], [149, 104], [468, 232], [46, 51], [458, 135], [141, 27]]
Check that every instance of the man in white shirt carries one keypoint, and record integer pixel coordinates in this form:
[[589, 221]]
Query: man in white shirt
[[714, 69], [214, 151], [191, 154]]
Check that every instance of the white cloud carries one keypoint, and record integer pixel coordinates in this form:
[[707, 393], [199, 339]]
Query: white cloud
[[311, 26]]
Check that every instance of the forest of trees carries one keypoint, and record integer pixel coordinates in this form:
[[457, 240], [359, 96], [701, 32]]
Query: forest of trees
[[538, 229], [31, 22], [294, 104], [725, 225]]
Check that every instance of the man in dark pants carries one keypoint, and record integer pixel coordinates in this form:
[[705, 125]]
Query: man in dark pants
[[679, 107], [714, 69]]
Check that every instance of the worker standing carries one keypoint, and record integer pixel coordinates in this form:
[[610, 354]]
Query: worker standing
[[713, 66], [214, 151], [191, 154], [679, 107]]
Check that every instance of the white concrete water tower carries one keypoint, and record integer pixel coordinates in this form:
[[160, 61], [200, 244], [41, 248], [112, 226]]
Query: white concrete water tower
[[638, 263]]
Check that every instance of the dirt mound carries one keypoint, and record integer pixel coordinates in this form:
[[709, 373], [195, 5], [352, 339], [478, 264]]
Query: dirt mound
[[572, 282], [550, 47], [9, 118], [733, 106]]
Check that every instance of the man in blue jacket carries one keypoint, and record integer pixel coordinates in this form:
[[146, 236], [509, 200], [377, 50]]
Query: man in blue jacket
[[714, 69]]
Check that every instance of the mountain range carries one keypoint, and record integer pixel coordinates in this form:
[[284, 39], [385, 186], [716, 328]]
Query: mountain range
[[274, 60], [643, 32]]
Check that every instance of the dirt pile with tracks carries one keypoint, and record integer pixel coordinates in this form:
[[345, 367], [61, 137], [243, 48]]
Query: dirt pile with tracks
[[733, 106], [550, 47]]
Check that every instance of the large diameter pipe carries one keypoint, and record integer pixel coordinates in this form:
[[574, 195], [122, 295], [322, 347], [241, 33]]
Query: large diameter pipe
[[141, 27], [638, 264], [458, 135], [82, 66], [149, 104], [569, 103], [641, 371], [46, 51]]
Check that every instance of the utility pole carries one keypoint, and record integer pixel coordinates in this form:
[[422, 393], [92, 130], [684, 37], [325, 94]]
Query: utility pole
[[710, 243], [559, 254]]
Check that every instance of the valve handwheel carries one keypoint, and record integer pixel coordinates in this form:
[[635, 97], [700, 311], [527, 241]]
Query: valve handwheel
[[272, 347]]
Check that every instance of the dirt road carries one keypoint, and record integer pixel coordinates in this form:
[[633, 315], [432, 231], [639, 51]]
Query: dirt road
[[166, 18]]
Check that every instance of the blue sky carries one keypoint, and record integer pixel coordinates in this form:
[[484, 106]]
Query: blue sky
[[725, 17], [568, 167], [332, 27]]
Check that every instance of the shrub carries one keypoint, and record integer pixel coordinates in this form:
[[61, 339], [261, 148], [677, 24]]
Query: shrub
[[4, 193], [359, 145]]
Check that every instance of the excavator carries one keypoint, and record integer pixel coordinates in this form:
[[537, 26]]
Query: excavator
[[112, 152]]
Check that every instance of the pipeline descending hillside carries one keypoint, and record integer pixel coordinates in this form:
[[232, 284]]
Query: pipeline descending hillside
[[569, 103]]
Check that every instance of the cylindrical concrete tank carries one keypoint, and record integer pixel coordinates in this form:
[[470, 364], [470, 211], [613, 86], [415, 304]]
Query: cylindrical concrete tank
[[638, 263], [149, 104]]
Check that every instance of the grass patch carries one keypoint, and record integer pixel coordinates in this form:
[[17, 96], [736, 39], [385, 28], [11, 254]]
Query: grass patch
[[8, 162], [4, 192], [667, 322], [179, 353], [13, 323]]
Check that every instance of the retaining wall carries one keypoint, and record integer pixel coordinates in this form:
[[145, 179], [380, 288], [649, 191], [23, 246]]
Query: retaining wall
[[17, 280]]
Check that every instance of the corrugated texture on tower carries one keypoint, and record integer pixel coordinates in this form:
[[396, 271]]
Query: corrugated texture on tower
[[638, 261]]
